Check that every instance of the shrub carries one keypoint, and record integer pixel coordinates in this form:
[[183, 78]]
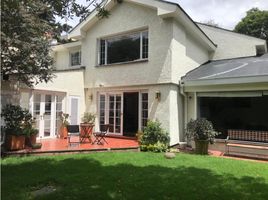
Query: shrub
[[18, 121], [88, 118], [154, 138], [200, 129]]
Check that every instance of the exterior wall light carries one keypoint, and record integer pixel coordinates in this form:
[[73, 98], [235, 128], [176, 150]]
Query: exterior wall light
[[158, 95]]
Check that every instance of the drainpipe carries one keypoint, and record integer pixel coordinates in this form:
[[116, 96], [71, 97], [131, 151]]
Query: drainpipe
[[185, 109]]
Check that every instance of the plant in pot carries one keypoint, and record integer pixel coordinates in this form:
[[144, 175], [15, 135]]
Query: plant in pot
[[29, 130], [88, 118], [202, 132], [87, 124], [64, 123], [15, 136]]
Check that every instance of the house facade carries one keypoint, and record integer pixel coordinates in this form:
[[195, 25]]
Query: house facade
[[134, 66]]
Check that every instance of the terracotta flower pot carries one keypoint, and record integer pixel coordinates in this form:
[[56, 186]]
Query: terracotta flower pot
[[29, 141], [201, 147], [15, 142], [63, 132], [85, 126]]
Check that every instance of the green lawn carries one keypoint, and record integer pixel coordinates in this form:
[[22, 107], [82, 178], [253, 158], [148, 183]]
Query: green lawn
[[136, 176]]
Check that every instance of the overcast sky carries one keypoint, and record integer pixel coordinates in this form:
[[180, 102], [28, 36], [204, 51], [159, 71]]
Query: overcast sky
[[226, 13]]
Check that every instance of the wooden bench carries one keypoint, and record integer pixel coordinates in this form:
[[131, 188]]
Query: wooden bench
[[246, 139]]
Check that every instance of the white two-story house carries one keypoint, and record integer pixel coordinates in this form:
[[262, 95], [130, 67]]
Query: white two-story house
[[140, 63]]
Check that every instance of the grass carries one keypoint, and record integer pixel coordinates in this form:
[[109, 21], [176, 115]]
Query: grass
[[132, 175]]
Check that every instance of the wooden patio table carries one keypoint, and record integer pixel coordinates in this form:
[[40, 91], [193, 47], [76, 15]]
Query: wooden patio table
[[86, 132]]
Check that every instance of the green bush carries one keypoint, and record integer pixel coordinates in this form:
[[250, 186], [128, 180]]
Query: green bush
[[200, 129], [154, 138], [18, 121]]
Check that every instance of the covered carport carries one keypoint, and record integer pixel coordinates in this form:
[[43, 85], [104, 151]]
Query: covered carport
[[232, 93]]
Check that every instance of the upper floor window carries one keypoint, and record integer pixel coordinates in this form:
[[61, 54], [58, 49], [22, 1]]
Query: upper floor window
[[75, 58], [124, 48]]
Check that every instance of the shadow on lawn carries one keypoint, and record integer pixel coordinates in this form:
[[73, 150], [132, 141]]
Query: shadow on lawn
[[87, 179]]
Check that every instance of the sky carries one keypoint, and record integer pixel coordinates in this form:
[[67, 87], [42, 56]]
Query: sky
[[225, 13]]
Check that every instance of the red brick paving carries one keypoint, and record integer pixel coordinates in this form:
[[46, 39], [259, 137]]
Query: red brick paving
[[61, 145]]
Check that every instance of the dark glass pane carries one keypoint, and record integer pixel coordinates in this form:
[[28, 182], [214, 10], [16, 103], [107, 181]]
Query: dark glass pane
[[144, 96], [102, 97], [123, 48], [144, 105]]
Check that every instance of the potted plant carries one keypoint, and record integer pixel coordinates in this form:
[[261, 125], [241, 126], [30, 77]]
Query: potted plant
[[202, 132], [64, 123], [15, 136], [88, 118], [86, 127], [29, 130]]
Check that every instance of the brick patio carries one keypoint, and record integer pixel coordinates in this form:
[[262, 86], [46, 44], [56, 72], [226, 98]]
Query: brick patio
[[52, 146]]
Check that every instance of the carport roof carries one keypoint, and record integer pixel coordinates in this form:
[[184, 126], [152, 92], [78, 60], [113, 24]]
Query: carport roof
[[236, 68]]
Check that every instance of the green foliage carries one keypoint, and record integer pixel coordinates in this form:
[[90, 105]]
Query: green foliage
[[64, 119], [200, 129], [18, 121], [154, 138], [24, 46], [89, 118], [254, 24], [158, 147], [28, 26]]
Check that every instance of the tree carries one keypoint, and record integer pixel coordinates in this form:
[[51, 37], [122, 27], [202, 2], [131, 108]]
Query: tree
[[26, 31], [254, 24]]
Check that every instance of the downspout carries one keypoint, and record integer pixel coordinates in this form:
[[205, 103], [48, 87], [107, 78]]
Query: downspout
[[185, 109]]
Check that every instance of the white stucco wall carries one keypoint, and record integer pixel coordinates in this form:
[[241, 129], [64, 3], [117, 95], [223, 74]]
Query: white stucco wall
[[69, 82], [128, 17], [187, 52], [230, 44], [62, 56]]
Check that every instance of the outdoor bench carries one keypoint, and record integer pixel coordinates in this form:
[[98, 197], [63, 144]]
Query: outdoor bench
[[247, 139]]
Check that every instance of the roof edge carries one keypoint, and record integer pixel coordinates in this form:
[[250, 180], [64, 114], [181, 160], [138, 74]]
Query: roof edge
[[224, 29]]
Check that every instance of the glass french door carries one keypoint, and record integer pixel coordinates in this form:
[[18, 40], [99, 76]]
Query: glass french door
[[111, 112], [46, 109], [115, 113]]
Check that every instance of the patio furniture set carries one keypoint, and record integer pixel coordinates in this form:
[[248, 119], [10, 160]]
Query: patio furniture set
[[85, 132]]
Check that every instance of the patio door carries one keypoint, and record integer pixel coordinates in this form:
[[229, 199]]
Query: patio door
[[115, 113], [46, 108], [111, 111]]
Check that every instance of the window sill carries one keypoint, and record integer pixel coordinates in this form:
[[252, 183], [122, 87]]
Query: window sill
[[75, 66], [124, 63]]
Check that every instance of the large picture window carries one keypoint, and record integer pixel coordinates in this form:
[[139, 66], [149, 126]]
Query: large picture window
[[123, 48]]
